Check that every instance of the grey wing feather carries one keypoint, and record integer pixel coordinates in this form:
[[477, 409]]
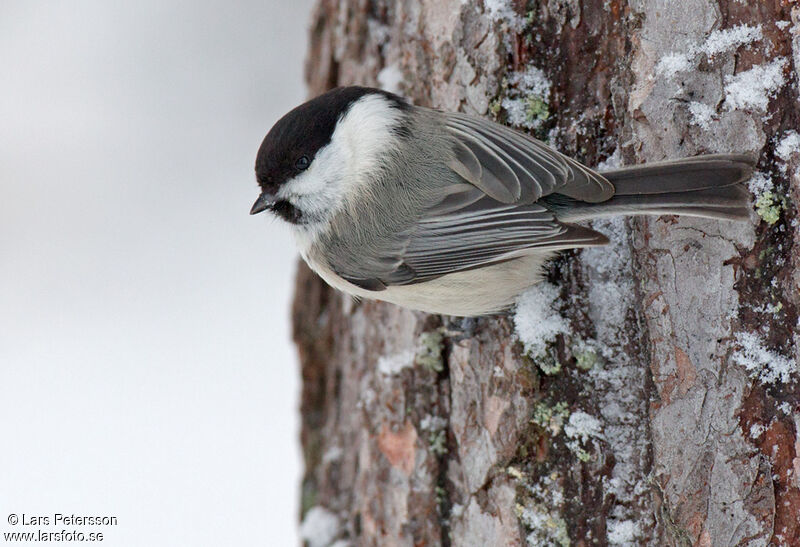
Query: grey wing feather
[[538, 169], [483, 167], [495, 234], [492, 215]]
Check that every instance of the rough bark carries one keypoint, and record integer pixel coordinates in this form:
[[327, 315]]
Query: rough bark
[[418, 430]]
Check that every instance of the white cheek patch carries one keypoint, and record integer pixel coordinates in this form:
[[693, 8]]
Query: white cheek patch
[[343, 168], [314, 191]]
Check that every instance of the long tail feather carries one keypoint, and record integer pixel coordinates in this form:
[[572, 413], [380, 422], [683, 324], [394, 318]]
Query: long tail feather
[[705, 186]]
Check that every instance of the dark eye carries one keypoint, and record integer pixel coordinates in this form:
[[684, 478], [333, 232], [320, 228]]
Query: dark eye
[[302, 163]]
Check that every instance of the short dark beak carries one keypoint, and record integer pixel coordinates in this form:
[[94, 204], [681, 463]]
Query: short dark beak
[[264, 202]]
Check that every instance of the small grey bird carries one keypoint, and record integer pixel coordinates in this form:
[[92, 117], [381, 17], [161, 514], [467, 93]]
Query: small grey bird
[[449, 213]]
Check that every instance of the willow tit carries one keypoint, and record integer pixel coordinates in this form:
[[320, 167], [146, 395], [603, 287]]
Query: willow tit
[[449, 213]]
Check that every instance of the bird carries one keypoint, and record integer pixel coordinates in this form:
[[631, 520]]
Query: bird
[[454, 214]]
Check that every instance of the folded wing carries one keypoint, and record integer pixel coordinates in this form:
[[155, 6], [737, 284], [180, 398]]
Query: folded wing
[[492, 214]]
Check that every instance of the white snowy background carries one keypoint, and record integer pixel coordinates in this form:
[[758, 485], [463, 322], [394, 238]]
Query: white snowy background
[[145, 364]]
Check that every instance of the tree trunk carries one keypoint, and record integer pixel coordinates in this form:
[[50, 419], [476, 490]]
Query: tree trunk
[[667, 413]]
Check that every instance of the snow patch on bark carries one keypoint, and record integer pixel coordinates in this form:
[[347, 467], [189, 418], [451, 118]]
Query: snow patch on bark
[[752, 89], [526, 104], [393, 364], [673, 63], [619, 380], [756, 430], [502, 11], [761, 363], [612, 296], [718, 42], [582, 429], [391, 78], [724, 40], [537, 319], [614, 161], [333, 454], [623, 532], [787, 147], [320, 527], [582, 426], [702, 115], [759, 183]]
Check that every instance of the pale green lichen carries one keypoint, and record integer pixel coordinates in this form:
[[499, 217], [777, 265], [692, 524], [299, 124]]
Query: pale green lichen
[[585, 359], [545, 362], [537, 110], [583, 455], [436, 427], [495, 106], [441, 495], [551, 418], [588, 353], [437, 442], [515, 473], [525, 97], [550, 367], [769, 207], [530, 17], [429, 351]]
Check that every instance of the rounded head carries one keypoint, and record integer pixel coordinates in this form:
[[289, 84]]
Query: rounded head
[[296, 140]]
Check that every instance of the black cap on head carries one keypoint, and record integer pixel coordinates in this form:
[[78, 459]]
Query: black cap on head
[[303, 131]]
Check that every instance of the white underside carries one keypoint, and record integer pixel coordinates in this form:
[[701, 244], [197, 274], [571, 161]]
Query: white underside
[[470, 293]]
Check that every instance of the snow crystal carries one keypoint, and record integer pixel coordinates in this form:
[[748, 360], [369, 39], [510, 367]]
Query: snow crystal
[[702, 114], [761, 363], [672, 63], [753, 88], [391, 78], [788, 146], [786, 408], [393, 364], [320, 527], [622, 532], [533, 81], [614, 161], [782, 24], [756, 430], [760, 183], [720, 41], [536, 319], [583, 426], [502, 11]]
